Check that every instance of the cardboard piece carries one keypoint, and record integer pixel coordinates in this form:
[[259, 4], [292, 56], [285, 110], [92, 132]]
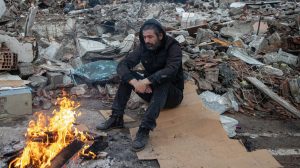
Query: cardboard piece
[[191, 136], [148, 153], [107, 113]]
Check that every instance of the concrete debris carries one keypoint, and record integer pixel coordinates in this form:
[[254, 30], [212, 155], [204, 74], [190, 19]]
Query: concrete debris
[[295, 89], [46, 103], [270, 44], [237, 8], [111, 89], [271, 70], [56, 79], [204, 35], [70, 26], [57, 66], [48, 28], [282, 56], [238, 30], [192, 19], [24, 51], [127, 44], [30, 20], [2, 8], [85, 46], [26, 69], [79, 90], [243, 55], [51, 51], [212, 74], [38, 81]]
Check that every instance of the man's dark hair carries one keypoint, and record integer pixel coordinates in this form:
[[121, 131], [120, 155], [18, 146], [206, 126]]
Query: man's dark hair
[[157, 31]]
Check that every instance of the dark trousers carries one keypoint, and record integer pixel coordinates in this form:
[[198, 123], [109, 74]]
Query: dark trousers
[[163, 96]]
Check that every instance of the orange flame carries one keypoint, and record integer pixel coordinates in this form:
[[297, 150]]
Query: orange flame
[[46, 137]]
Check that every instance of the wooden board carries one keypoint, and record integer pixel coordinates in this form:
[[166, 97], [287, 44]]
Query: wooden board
[[191, 136], [262, 87]]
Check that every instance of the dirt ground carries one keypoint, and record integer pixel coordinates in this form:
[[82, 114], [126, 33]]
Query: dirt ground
[[255, 133]]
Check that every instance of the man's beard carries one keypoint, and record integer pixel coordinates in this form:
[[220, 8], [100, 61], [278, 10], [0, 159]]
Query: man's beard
[[152, 47]]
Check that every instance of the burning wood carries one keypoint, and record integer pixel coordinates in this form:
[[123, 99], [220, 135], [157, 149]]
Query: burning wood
[[47, 137]]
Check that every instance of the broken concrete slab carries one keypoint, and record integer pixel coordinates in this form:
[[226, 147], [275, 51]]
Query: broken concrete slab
[[56, 79], [237, 30], [243, 55], [51, 51], [127, 44], [24, 51], [85, 46], [2, 8], [26, 69], [266, 45]]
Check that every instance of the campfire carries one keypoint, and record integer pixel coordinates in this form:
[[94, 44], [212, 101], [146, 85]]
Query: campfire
[[48, 136]]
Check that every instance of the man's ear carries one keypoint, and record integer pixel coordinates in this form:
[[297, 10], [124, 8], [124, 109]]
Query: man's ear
[[160, 36]]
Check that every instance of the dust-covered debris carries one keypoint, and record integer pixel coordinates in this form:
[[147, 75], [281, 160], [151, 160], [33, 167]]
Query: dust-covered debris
[[74, 47]]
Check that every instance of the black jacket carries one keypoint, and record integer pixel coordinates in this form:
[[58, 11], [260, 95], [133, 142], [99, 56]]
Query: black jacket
[[162, 65]]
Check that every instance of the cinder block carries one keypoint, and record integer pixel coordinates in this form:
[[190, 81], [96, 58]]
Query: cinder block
[[55, 79]]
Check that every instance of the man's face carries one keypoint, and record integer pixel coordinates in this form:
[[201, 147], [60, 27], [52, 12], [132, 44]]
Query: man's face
[[152, 41]]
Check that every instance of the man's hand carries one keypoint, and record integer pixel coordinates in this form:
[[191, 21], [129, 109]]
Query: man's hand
[[141, 86]]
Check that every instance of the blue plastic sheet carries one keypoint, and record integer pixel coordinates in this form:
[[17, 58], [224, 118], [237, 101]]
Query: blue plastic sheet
[[96, 72]]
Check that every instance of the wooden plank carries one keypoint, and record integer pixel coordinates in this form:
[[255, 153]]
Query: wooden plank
[[262, 87], [68, 152]]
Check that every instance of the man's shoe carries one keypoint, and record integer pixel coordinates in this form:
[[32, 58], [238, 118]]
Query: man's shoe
[[114, 121], [141, 139]]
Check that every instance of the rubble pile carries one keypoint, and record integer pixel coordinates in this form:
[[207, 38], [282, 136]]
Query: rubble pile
[[76, 46]]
